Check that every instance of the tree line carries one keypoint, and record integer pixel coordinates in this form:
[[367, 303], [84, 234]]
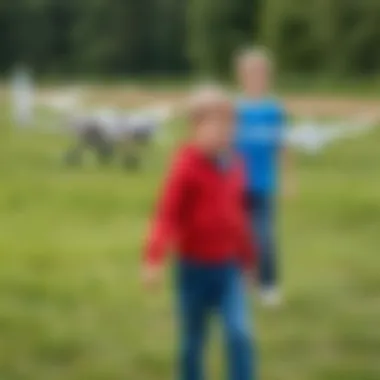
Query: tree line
[[178, 37]]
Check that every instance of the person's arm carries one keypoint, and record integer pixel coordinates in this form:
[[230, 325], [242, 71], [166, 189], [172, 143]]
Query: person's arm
[[247, 238], [287, 163], [247, 246], [287, 160], [165, 222]]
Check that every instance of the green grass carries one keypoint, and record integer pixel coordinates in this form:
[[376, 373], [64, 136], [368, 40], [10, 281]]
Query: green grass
[[72, 306]]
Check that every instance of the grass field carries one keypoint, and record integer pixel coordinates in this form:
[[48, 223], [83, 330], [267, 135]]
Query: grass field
[[72, 306]]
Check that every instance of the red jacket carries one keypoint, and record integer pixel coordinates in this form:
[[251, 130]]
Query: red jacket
[[202, 212]]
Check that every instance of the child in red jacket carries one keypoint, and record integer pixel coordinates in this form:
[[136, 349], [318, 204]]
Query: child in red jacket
[[201, 213]]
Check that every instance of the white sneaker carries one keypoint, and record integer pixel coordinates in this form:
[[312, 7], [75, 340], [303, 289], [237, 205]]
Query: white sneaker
[[270, 297]]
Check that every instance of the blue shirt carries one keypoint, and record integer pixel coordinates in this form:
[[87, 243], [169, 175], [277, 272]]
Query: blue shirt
[[258, 139]]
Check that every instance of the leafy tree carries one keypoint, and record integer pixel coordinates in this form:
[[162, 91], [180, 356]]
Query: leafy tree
[[217, 28]]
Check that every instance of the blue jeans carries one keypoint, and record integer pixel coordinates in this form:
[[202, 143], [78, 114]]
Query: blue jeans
[[201, 290], [261, 208]]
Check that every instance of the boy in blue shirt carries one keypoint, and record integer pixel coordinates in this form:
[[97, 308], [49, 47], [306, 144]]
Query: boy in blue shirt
[[260, 128]]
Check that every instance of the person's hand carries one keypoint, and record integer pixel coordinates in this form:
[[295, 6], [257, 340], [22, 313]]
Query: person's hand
[[249, 278], [290, 189], [151, 276]]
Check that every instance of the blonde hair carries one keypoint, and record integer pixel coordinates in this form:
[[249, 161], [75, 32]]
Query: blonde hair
[[206, 99], [255, 54]]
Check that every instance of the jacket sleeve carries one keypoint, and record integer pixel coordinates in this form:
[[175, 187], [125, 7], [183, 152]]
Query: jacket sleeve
[[165, 222]]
